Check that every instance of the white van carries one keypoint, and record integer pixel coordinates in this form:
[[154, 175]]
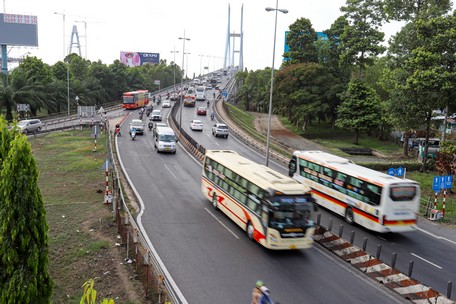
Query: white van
[[200, 93], [164, 140]]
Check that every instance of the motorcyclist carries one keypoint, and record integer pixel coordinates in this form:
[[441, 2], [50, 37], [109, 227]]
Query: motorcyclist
[[213, 94], [208, 103], [117, 130], [150, 125], [212, 116]]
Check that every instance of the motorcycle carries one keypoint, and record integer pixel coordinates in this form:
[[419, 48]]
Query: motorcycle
[[212, 116], [150, 125], [133, 134], [117, 131]]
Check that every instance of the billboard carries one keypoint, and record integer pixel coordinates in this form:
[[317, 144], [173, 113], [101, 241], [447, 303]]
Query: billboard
[[20, 30], [133, 59]]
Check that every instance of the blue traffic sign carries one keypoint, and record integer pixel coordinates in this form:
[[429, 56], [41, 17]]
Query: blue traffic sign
[[442, 182], [400, 171], [224, 93], [391, 171]]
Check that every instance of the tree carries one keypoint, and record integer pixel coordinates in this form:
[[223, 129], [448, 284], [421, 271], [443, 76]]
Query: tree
[[304, 92], [24, 276], [302, 42], [359, 110], [361, 39], [415, 9]]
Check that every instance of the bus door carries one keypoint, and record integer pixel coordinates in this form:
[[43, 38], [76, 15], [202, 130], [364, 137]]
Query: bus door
[[292, 166]]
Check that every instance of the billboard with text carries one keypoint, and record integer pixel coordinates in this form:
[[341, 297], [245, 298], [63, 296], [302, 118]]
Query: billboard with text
[[133, 59], [20, 30]]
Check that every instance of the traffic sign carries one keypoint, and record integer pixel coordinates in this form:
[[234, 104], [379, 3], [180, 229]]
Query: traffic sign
[[224, 93], [442, 182], [391, 171]]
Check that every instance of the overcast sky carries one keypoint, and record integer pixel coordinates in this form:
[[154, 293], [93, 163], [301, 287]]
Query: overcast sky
[[108, 27]]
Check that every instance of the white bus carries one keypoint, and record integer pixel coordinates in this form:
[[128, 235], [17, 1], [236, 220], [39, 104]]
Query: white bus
[[272, 208], [372, 199]]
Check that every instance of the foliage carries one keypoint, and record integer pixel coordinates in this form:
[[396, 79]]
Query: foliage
[[361, 39], [415, 9], [254, 88], [90, 294], [302, 40], [48, 89], [360, 109], [304, 92], [24, 276]]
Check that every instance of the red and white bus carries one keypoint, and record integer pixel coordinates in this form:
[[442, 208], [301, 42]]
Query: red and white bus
[[273, 209], [135, 99], [372, 199]]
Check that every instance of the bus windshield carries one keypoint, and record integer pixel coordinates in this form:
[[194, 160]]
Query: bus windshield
[[290, 211], [128, 99]]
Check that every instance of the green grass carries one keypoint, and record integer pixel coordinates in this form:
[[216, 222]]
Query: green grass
[[81, 235]]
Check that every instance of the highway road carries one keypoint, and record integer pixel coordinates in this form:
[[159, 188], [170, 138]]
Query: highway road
[[208, 256], [431, 250]]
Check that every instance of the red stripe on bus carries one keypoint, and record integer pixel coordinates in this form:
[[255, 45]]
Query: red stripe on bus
[[342, 204], [257, 235]]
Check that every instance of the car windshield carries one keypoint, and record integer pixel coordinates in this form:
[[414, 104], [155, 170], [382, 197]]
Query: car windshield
[[197, 122], [136, 123], [202, 109], [156, 112], [22, 123], [167, 138], [222, 127]]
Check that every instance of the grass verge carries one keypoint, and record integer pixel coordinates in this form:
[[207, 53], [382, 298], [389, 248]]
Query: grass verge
[[82, 234]]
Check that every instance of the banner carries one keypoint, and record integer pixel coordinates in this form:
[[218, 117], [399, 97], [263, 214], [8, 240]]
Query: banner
[[133, 59]]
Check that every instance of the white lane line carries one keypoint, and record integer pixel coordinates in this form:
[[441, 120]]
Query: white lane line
[[435, 236], [223, 225], [435, 265], [171, 172]]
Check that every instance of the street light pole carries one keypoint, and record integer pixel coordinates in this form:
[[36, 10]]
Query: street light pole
[[186, 66], [201, 64], [182, 80], [63, 15], [268, 9], [68, 87], [174, 65]]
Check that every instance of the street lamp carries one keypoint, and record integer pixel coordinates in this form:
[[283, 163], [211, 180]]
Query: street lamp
[[268, 9], [182, 80], [174, 65], [201, 63], [186, 66], [63, 15]]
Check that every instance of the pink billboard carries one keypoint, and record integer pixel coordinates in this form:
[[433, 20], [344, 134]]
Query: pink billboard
[[134, 59]]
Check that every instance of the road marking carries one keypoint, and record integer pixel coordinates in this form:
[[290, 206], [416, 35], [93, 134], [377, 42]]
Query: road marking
[[220, 222], [435, 265], [435, 236], [171, 172]]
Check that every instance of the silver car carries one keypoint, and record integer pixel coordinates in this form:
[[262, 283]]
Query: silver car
[[30, 125]]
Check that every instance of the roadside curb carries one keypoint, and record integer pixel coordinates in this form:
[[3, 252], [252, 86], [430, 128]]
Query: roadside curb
[[374, 268]]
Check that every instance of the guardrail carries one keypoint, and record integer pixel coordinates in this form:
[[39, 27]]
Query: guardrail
[[139, 249]]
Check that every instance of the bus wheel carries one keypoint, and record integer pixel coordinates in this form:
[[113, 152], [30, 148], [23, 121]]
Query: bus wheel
[[214, 201], [349, 215], [250, 230]]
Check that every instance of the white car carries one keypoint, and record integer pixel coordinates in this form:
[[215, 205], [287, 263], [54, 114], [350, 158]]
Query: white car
[[196, 125], [138, 125], [156, 115], [166, 104]]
